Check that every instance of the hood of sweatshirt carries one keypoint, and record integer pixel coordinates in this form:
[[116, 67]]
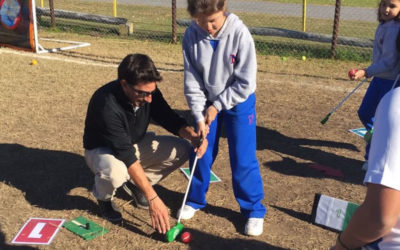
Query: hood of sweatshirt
[[231, 23]]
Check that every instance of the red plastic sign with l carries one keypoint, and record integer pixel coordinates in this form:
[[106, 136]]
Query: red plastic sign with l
[[38, 231]]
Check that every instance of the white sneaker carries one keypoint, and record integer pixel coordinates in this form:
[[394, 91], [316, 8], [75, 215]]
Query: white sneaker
[[187, 212], [254, 226], [365, 166]]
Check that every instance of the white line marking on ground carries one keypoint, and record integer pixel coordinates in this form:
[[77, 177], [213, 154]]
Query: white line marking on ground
[[55, 58]]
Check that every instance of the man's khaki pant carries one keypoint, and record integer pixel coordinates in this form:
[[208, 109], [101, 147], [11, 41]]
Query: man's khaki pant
[[159, 156]]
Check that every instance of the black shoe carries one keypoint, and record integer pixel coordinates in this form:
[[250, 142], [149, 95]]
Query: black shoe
[[108, 212], [138, 197]]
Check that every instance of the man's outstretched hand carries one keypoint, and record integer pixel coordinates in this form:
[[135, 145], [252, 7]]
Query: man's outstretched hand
[[159, 215]]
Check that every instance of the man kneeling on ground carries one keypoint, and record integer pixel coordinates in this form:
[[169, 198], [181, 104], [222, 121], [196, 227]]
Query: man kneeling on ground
[[121, 152]]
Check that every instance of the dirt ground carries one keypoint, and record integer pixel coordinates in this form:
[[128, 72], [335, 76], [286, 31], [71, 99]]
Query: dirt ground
[[43, 173]]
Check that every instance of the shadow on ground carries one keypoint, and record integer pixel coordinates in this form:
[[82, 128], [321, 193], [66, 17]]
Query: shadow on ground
[[174, 202], [46, 176], [299, 148], [295, 214], [203, 240], [5, 246]]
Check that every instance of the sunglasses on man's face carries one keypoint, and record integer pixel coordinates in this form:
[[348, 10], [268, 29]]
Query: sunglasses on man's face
[[142, 93]]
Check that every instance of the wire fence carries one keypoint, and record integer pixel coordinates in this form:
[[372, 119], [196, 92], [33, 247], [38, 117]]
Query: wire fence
[[278, 28]]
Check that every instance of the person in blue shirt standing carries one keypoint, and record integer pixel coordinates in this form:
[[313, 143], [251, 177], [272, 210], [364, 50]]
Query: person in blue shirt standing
[[385, 66]]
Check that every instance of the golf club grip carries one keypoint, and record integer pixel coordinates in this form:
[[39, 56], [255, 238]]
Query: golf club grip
[[347, 96], [188, 186]]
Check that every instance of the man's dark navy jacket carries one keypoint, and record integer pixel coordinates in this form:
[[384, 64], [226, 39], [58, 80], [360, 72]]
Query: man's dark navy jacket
[[112, 122]]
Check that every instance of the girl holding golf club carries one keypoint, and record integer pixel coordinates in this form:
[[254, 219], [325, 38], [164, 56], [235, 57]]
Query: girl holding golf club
[[385, 63], [220, 81]]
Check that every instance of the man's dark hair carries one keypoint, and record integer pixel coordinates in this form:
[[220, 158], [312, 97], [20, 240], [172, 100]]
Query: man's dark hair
[[137, 68]]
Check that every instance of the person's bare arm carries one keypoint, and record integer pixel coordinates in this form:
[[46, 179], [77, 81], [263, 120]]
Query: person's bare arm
[[373, 219], [157, 209]]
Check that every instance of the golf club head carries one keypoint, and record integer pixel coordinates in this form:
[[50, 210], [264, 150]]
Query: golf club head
[[174, 232], [368, 135], [323, 121]]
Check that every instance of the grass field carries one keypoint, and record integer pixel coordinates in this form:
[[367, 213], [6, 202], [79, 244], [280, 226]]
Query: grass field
[[43, 173], [353, 3], [159, 18], [154, 23]]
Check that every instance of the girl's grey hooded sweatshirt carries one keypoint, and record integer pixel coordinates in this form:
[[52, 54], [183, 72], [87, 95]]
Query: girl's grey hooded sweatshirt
[[225, 76], [385, 57]]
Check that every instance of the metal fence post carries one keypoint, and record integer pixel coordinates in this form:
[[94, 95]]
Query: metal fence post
[[304, 14], [53, 19], [335, 28], [173, 9], [115, 8], [354, 41]]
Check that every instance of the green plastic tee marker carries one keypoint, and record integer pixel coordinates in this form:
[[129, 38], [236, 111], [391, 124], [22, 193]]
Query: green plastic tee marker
[[173, 232]]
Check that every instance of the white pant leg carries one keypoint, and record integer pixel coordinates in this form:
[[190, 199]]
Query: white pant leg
[[158, 155], [110, 173], [161, 155]]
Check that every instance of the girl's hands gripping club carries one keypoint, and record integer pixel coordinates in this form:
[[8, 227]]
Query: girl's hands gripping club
[[203, 128], [211, 113], [200, 143]]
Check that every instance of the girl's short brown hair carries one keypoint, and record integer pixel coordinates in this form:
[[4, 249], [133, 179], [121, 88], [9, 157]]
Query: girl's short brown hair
[[397, 18], [207, 7]]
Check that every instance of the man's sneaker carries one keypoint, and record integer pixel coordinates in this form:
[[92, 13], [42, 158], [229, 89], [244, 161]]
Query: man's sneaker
[[365, 166], [138, 197], [108, 212], [254, 226], [187, 212]]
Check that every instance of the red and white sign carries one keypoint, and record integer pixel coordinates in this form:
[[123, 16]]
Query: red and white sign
[[38, 231]]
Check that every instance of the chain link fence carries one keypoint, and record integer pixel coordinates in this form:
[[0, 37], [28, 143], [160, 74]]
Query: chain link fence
[[283, 29]]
